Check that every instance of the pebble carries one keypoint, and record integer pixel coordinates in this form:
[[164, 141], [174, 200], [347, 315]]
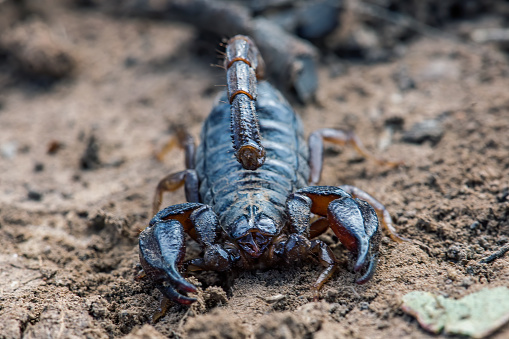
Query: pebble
[[427, 130]]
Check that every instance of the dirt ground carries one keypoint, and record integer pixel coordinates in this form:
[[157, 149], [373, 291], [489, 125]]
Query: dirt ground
[[78, 173]]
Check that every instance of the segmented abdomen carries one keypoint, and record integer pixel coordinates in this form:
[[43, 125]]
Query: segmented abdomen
[[229, 188]]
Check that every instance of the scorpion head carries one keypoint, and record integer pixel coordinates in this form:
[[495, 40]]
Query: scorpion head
[[256, 236]]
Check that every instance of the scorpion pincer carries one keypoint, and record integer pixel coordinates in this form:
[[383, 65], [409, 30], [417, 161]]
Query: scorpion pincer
[[252, 208]]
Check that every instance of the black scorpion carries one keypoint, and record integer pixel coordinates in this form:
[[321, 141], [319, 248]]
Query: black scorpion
[[252, 208]]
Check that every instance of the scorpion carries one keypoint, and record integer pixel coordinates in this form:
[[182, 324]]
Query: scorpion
[[258, 207]]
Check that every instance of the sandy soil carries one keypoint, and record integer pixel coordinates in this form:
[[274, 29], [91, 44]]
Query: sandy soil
[[78, 174]]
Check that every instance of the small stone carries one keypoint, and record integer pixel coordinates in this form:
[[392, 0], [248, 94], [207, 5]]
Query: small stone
[[427, 130], [364, 305], [9, 149], [34, 195], [39, 167]]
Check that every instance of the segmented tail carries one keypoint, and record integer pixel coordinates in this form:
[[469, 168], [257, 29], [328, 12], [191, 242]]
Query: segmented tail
[[244, 66]]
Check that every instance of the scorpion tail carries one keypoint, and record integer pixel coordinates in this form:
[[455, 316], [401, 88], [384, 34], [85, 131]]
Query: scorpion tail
[[243, 64]]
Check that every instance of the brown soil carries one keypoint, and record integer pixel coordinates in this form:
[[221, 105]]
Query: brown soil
[[78, 174]]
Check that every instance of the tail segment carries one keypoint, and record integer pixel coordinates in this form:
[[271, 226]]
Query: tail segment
[[244, 66]]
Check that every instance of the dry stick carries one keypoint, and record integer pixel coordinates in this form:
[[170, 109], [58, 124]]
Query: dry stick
[[182, 320], [291, 59], [295, 63], [295, 58], [498, 254]]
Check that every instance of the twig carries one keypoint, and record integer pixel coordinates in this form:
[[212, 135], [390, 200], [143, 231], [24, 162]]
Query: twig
[[181, 322], [62, 321], [498, 254], [291, 59]]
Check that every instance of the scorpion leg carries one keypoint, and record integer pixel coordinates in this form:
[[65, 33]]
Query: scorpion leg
[[162, 247], [354, 222], [188, 177], [338, 137], [174, 181], [185, 141], [379, 208]]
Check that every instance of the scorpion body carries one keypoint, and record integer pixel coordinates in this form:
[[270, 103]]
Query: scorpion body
[[252, 208], [240, 196]]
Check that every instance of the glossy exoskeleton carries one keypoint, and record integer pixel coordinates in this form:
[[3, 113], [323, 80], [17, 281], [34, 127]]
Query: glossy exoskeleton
[[251, 208]]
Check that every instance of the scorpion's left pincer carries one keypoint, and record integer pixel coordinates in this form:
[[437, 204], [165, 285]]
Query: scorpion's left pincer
[[162, 248]]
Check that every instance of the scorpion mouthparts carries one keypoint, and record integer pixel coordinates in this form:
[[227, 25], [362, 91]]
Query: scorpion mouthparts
[[253, 249], [253, 243]]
